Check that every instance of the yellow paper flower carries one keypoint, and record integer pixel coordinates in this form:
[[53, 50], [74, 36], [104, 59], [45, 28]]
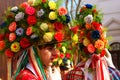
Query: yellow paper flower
[[86, 42], [44, 26], [52, 5], [48, 36], [75, 38], [60, 61], [52, 15], [64, 49], [15, 47], [99, 44]]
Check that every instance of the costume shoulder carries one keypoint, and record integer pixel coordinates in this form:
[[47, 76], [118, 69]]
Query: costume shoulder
[[76, 73], [26, 75]]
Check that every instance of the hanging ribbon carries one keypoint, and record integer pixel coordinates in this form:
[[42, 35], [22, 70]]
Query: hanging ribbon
[[36, 63], [99, 65]]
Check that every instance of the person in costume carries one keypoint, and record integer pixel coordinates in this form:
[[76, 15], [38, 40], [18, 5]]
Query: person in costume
[[29, 36], [95, 62]]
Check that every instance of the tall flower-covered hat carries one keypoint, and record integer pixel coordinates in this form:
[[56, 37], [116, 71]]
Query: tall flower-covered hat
[[92, 39], [37, 23]]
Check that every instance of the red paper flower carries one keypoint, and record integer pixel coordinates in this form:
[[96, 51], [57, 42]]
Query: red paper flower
[[29, 31], [96, 26], [12, 26], [2, 45], [59, 36], [58, 26], [24, 5], [8, 53], [62, 11], [62, 55], [91, 48], [75, 29], [43, 1], [24, 43], [7, 35], [1, 37], [86, 50], [31, 20], [103, 52], [30, 10], [12, 37], [68, 55]]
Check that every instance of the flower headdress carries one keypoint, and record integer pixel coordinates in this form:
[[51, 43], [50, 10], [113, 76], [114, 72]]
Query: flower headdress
[[92, 39], [36, 24]]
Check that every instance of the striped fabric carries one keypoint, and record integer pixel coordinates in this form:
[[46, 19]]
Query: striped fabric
[[77, 73], [114, 73]]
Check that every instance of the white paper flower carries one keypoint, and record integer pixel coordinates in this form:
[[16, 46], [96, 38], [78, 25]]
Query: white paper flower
[[19, 16], [88, 19]]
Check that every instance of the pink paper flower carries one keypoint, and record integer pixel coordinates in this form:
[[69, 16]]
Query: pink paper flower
[[91, 48], [12, 37], [68, 55], [30, 10], [12, 26], [62, 11], [29, 31]]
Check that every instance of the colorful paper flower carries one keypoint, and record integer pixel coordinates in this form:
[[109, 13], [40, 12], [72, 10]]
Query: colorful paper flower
[[12, 37], [2, 45], [91, 48], [15, 47], [62, 11], [24, 43], [59, 36], [48, 37], [62, 55], [52, 5], [86, 41], [31, 20], [89, 6], [14, 9], [19, 16], [29, 31], [58, 26], [12, 26], [75, 29], [44, 26], [68, 55], [24, 5], [75, 38], [52, 15], [40, 13], [9, 53], [30, 10], [1, 36], [99, 44], [44, 1], [19, 31], [95, 34], [88, 19]]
